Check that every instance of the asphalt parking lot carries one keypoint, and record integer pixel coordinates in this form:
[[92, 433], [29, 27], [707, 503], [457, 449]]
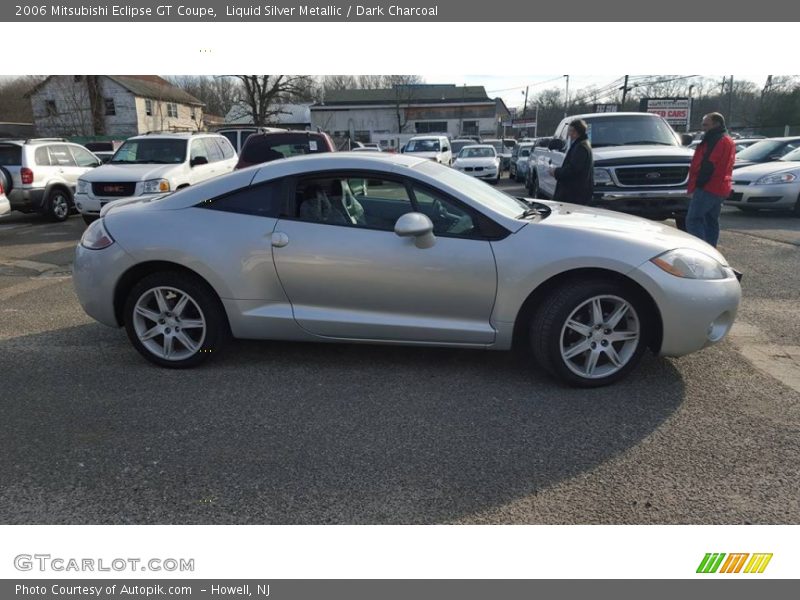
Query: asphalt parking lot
[[313, 433]]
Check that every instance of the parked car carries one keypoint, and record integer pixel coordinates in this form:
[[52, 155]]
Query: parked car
[[518, 165], [540, 144], [40, 175], [766, 151], [479, 160], [267, 146], [771, 185], [104, 146], [393, 249], [237, 135], [434, 147], [366, 149], [503, 151], [5, 205], [150, 165], [104, 155], [459, 144], [740, 143]]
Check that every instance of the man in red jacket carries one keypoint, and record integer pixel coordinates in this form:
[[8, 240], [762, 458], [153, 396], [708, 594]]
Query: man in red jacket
[[710, 179]]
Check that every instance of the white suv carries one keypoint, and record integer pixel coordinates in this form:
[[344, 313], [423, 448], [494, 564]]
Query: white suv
[[154, 164], [435, 147], [39, 175]]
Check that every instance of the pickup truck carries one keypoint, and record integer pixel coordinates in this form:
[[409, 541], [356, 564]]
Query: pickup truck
[[641, 165]]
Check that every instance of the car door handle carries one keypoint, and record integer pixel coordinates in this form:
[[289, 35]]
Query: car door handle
[[279, 239]]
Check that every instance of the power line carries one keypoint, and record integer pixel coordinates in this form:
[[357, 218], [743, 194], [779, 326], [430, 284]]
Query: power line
[[522, 87]]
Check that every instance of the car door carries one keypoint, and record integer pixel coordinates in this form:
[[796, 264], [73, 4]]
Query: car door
[[555, 158], [63, 166], [85, 160], [348, 275], [199, 172]]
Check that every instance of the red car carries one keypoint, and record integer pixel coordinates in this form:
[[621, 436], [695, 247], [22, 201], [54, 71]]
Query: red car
[[272, 145]]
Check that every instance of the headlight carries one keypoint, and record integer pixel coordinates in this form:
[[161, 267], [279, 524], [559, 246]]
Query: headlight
[[602, 177], [96, 237], [690, 264], [83, 187], [776, 178], [155, 186]]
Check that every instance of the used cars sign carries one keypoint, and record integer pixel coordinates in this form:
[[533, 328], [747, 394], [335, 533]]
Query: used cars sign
[[675, 110]]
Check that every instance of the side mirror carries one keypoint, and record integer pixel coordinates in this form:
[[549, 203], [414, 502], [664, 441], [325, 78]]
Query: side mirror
[[686, 139], [556, 144], [418, 226], [199, 160]]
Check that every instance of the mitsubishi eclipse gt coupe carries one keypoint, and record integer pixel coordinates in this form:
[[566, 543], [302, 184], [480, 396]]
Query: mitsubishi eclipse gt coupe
[[393, 249]]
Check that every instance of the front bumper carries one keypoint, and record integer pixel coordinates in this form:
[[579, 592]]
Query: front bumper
[[660, 203], [694, 313], [783, 195], [485, 173], [95, 274], [89, 204]]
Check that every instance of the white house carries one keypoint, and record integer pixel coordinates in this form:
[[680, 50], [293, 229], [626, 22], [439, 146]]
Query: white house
[[112, 105], [409, 109]]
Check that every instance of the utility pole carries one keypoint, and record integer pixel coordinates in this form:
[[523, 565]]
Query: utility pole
[[525, 106], [566, 97], [730, 101], [624, 89]]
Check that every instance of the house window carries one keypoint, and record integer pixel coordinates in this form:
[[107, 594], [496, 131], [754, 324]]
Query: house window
[[52, 111], [431, 126], [192, 113], [148, 108], [111, 110], [470, 128], [172, 110]]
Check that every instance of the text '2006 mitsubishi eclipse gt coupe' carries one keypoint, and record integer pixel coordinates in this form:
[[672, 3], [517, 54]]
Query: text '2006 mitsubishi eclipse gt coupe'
[[399, 250]]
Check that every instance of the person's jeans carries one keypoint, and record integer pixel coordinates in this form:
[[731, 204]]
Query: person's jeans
[[702, 220]]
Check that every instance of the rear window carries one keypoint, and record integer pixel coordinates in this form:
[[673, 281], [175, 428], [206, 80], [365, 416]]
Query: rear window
[[10, 155], [265, 148]]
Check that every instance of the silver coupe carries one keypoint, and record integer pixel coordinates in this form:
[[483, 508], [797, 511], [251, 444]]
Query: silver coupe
[[394, 249]]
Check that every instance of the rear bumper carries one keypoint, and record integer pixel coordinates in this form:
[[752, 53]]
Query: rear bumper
[[662, 203], [26, 200]]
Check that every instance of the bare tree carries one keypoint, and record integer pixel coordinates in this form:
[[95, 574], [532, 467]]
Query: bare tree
[[261, 96], [219, 94], [15, 106]]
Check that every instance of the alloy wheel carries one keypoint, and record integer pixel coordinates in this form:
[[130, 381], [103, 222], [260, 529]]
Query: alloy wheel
[[169, 323]]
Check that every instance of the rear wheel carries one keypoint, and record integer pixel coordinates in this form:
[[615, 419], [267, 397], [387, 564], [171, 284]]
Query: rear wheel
[[175, 320], [589, 333], [56, 206]]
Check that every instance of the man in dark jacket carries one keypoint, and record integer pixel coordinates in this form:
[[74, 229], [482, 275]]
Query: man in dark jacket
[[575, 176], [710, 179]]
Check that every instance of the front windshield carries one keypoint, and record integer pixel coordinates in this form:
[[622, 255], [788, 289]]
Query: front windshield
[[764, 149], [477, 153], [477, 190], [793, 156], [423, 146], [153, 151], [630, 130]]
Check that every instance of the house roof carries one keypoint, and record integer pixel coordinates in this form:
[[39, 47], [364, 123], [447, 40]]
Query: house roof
[[146, 86], [411, 94]]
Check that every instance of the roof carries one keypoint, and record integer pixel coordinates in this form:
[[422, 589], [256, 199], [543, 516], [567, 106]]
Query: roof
[[411, 94], [145, 86]]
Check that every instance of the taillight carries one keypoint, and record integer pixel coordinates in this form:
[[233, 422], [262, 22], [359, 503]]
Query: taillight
[[27, 175], [1, 188]]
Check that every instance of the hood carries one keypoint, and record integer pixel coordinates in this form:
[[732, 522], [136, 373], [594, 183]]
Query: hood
[[611, 154], [144, 172], [651, 237], [757, 170]]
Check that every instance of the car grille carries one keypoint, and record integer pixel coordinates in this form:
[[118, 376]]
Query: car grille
[[652, 176], [471, 169], [115, 189]]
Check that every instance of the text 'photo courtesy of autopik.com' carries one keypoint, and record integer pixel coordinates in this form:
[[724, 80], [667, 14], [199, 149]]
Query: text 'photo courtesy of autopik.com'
[[520, 298]]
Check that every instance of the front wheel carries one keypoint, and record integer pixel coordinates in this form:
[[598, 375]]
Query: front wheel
[[57, 205], [589, 333], [175, 320]]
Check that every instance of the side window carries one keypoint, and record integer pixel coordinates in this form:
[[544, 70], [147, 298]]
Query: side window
[[225, 147], [231, 136], [448, 218], [263, 200], [374, 203], [83, 157], [198, 148], [60, 156], [213, 152], [789, 148], [42, 156]]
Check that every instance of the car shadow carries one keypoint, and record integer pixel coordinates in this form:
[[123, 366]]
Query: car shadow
[[275, 432]]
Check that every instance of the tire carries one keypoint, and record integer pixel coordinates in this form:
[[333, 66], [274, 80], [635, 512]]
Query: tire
[[533, 188], [207, 336], [552, 340], [89, 220], [57, 205]]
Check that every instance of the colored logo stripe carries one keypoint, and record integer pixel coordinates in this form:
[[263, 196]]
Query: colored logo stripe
[[710, 562], [758, 563], [733, 564]]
